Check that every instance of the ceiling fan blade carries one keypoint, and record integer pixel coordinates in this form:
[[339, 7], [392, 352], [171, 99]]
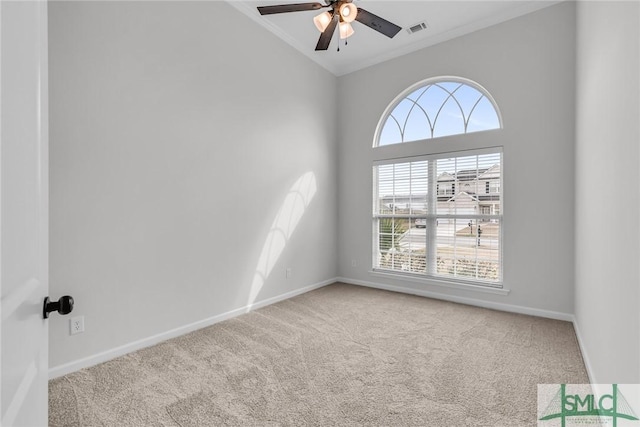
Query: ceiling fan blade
[[381, 25], [284, 8], [325, 37]]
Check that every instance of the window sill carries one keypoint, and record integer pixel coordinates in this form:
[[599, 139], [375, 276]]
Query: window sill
[[439, 282]]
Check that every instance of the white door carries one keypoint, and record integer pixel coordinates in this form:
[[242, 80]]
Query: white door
[[23, 212]]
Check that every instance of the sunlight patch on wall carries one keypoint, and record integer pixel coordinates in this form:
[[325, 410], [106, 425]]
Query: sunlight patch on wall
[[293, 208]]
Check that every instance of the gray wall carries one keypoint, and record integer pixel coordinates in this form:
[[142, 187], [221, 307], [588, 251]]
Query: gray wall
[[186, 143], [182, 157], [607, 208], [528, 65]]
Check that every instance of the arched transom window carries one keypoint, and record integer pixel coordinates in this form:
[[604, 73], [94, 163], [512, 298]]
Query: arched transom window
[[436, 108]]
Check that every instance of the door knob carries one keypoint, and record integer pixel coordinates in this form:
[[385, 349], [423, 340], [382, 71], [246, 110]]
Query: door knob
[[63, 306]]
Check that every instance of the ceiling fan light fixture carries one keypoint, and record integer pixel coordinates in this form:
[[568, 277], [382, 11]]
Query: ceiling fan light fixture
[[342, 13], [346, 30], [348, 12], [322, 21]]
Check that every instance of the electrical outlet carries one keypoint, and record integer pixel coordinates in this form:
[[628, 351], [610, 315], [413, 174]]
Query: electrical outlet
[[76, 325], [288, 273]]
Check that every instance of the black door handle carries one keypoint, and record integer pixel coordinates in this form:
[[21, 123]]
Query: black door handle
[[63, 306]]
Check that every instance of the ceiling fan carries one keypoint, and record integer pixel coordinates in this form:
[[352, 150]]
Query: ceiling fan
[[342, 14]]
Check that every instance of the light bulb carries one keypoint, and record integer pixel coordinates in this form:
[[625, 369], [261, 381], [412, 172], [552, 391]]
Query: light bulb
[[346, 30], [348, 12], [322, 21]]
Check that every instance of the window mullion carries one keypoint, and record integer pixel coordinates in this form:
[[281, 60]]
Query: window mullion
[[431, 228], [477, 249]]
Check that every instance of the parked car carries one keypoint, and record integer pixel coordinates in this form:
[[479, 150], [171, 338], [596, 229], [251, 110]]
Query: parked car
[[420, 223]]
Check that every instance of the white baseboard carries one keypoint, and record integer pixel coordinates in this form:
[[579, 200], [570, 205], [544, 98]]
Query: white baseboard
[[86, 362], [104, 356], [463, 300], [583, 351]]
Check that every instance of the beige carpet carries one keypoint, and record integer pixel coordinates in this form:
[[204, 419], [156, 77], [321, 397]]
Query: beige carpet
[[340, 355]]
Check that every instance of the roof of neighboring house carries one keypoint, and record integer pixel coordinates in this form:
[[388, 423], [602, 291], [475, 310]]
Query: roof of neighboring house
[[470, 174], [462, 194], [446, 176], [492, 172]]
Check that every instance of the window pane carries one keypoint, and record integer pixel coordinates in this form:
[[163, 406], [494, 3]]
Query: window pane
[[391, 231], [463, 183], [449, 120], [390, 133], [484, 117], [438, 109], [432, 100], [395, 244], [417, 126], [468, 97], [468, 248], [393, 130]]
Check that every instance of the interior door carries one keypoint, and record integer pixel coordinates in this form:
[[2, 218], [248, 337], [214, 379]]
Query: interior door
[[23, 212]]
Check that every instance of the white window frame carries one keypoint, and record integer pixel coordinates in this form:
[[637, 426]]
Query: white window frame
[[467, 143], [442, 79], [431, 217]]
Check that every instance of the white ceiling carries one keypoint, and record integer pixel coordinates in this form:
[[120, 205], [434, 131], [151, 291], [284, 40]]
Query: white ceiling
[[445, 20]]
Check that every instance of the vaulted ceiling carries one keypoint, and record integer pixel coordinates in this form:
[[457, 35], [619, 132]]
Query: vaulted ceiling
[[444, 20]]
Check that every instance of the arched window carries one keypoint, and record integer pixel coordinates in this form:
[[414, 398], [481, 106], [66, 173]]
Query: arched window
[[438, 107], [438, 214]]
